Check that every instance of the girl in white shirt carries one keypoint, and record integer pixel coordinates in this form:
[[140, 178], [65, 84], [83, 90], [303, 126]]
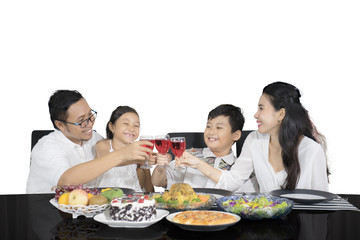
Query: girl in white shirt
[[122, 129], [286, 151]]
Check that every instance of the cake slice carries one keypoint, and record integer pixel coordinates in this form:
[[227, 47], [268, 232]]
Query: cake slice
[[136, 208]]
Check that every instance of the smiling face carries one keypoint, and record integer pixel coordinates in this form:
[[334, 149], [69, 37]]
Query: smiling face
[[126, 129], [77, 113], [218, 136], [268, 119]]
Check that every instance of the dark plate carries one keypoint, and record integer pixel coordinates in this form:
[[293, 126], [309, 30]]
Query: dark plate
[[304, 195], [202, 228], [214, 191], [126, 191]]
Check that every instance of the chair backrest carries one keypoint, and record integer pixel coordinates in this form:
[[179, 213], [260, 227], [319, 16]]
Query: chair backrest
[[37, 134], [196, 139], [240, 142], [193, 139]]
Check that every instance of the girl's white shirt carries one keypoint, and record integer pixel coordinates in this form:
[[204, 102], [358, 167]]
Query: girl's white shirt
[[121, 177], [255, 157]]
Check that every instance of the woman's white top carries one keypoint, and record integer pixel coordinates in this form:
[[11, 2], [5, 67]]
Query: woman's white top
[[121, 177], [255, 157]]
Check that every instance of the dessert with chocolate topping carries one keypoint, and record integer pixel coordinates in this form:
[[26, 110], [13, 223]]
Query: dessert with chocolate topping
[[131, 208]]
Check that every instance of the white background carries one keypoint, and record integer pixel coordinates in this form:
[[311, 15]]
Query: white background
[[173, 61]]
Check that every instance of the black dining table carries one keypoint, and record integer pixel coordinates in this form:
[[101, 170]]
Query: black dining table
[[31, 216]]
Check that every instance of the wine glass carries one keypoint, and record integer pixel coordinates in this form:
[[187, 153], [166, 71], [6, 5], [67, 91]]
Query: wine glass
[[162, 144], [152, 140], [178, 145]]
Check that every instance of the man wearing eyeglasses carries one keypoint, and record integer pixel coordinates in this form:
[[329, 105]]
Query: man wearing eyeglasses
[[67, 156]]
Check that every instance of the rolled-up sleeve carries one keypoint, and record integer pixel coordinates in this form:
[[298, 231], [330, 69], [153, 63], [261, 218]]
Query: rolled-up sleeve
[[240, 171]]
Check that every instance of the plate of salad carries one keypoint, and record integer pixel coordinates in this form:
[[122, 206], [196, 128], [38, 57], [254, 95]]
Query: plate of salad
[[256, 207], [201, 202]]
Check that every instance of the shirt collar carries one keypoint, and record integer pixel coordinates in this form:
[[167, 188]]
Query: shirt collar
[[229, 159], [64, 139]]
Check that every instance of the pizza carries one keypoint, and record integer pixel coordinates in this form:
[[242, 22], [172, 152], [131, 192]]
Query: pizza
[[204, 218]]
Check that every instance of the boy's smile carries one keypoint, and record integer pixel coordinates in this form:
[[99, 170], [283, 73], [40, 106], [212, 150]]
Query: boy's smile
[[212, 139], [218, 135]]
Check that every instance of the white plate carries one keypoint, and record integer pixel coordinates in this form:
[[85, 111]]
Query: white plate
[[105, 218], [203, 228]]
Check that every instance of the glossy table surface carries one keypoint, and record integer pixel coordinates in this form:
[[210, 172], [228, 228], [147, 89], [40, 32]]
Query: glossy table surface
[[31, 216]]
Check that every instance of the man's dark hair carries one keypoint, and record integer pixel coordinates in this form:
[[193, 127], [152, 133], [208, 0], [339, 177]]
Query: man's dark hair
[[60, 102]]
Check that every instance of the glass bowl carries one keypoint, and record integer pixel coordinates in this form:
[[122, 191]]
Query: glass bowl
[[256, 207]]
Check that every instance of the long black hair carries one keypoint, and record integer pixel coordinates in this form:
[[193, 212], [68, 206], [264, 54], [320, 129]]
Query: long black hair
[[116, 114], [296, 123]]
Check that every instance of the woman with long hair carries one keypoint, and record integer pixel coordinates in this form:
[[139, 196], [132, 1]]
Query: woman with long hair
[[286, 152]]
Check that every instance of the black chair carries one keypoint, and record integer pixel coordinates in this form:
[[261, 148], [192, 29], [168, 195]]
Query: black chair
[[193, 139], [240, 142], [196, 140], [37, 134]]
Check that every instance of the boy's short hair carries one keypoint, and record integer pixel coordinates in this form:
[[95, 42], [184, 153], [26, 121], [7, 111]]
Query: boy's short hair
[[60, 102], [236, 118]]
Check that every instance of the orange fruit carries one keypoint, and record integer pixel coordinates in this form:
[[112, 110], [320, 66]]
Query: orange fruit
[[64, 198]]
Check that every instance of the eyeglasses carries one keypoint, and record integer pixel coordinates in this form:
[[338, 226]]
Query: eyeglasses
[[85, 122]]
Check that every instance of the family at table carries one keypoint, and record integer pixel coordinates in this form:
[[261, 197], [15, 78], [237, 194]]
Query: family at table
[[285, 152]]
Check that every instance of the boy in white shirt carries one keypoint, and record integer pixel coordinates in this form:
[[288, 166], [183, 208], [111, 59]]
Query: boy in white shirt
[[223, 129]]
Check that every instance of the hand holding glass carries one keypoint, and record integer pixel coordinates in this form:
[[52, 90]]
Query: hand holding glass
[[150, 139], [178, 146], [162, 144]]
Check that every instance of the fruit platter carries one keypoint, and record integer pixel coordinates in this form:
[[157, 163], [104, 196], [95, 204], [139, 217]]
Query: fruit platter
[[79, 200], [256, 207], [182, 197]]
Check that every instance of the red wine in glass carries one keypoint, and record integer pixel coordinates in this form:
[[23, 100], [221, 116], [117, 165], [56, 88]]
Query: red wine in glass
[[162, 143], [152, 140], [178, 146]]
